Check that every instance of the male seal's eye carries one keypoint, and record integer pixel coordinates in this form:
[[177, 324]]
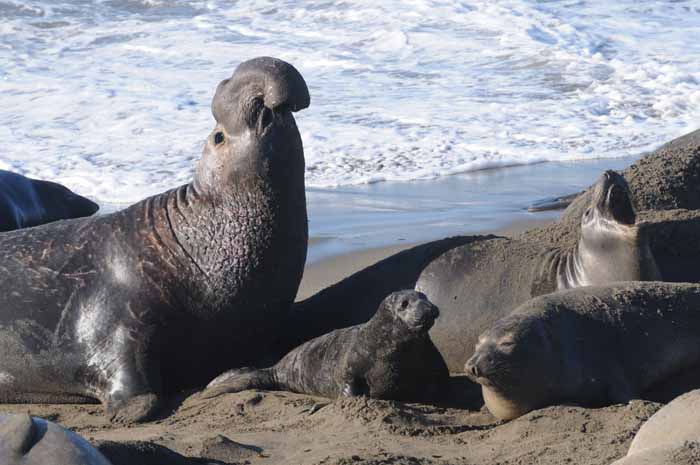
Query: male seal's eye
[[404, 305], [588, 212], [218, 138]]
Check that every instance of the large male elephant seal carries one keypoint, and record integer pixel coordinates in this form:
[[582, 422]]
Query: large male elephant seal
[[670, 437], [26, 202], [478, 283], [389, 357], [171, 291], [591, 346], [26, 440]]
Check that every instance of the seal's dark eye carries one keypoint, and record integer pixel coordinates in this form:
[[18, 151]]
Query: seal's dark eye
[[218, 138], [588, 212], [404, 305]]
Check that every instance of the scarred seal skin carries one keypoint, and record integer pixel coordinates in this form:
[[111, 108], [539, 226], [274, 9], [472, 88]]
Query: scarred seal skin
[[478, 283], [26, 440], [26, 202], [168, 293], [590, 346], [389, 357]]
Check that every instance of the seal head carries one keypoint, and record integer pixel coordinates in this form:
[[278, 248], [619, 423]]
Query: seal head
[[410, 310], [612, 247], [514, 349], [255, 134]]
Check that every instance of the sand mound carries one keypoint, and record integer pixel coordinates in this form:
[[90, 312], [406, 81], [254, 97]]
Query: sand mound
[[258, 427]]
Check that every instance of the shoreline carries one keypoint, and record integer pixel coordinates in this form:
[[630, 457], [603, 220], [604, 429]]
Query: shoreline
[[329, 270]]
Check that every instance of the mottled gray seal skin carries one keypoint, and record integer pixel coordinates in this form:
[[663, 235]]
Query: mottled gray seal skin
[[476, 284], [26, 202], [670, 437], [590, 346], [389, 357], [26, 440], [168, 293]]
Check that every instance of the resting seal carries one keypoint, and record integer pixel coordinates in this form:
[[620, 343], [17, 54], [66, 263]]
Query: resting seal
[[389, 357], [168, 293], [26, 202], [476, 284], [591, 346], [26, 440], [670, 437]]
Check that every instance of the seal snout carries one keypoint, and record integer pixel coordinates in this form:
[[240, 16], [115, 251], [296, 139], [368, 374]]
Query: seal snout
[[613, 199]]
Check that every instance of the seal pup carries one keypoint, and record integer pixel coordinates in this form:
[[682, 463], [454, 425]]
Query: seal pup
[[26, 440], [389, 357], [590, 346], [476, 284], [26, 202], [168, 293], [670, 437]]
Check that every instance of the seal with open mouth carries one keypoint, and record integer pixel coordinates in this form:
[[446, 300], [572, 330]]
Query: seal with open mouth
[[478, 283]]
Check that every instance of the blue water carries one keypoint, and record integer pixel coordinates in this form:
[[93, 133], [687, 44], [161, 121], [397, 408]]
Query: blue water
[[112, 97]]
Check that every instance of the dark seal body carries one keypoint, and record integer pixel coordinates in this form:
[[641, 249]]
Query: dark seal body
[[175, 289], [478, 283], [26, 440], [389, 357], [26, 202], [591, 346]]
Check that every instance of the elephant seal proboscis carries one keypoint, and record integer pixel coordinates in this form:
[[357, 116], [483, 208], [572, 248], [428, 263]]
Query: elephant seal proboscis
[[26, 440], [168, 293], [478, 283], [26, 202], [590, 346], [670, 437], [389, 357]]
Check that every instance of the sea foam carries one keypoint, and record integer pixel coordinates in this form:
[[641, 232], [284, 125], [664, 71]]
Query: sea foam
[[112, 97]]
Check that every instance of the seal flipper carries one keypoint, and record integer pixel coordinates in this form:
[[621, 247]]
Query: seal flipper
[[241, 379], [18, 433]]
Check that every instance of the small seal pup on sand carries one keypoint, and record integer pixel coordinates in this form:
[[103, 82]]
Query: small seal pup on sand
[[26, 202], [590, 346], [389, 357], [670, 437], [26, 440], [476, 284], [170, 292]]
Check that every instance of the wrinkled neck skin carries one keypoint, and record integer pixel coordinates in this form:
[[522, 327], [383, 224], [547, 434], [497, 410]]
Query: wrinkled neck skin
[[228, 236], [606, 254]]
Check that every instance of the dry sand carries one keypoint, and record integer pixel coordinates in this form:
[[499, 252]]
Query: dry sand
[[255, 427], [259, 428]]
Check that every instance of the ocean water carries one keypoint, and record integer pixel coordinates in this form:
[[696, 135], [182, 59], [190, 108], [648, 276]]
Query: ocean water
[[111, 97]]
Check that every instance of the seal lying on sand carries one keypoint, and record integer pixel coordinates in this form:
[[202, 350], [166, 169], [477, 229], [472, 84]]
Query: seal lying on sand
[[670, 437], [476, 284], [389, 357], [592, 346], [171, 291], [666, 179], [26, 202], [26, 440]]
